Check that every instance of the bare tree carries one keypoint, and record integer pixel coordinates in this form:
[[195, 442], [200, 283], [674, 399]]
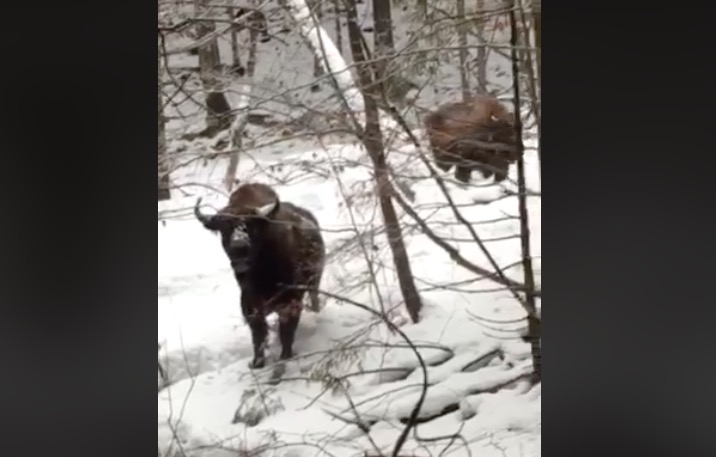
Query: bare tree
[[256, 23], [532, 71], [235, 58], [383, 42], [372, 139], [482, 48], [462, 51], [533, 322], [358, 99], [537, 24], [218, 110], [337, 19], [317, 68], [163, 192]]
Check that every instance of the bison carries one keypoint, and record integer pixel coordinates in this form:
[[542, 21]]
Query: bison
[[277, 254], [476, 134]]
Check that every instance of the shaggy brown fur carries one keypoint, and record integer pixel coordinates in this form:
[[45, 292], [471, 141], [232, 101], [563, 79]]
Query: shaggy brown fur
[[277, 253], [474, 135]]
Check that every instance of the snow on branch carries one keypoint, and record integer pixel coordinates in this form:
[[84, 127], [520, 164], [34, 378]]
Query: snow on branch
[[326, 52]]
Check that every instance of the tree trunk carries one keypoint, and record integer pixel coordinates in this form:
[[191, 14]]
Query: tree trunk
[[534, 326], [218, 111], [241, 119], [383, 43], [163, 192], [235, 58], [317, 69], [462, 51], [339, 32], [482, 49], [533, 84], [537, 18], [253, 37], [373, 142]]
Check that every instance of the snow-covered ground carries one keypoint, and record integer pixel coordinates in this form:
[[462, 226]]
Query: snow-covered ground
[[353, 382], [206, 346]]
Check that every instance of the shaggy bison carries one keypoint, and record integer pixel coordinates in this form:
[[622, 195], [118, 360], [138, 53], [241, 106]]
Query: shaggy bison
[[477, 134], [277, 253]]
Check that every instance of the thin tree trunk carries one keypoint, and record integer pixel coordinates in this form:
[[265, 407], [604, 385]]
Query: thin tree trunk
[[253, 37], [163, 192], [218, 111], [482, 48], [235, 58], [317, 69], [462, 51], [534, 324], [241, 119], [383, 42], [537, 18], [373, 142], [532, 79], [339, 32]]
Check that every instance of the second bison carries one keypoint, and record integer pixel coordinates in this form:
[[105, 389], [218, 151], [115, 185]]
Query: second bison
[[477, 134], [277, 253]]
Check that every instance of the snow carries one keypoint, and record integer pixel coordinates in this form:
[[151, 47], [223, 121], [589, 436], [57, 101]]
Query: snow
[[206, 346], [349, 370]]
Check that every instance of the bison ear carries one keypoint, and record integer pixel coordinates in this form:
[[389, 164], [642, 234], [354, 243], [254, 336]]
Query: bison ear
[[268, 210]]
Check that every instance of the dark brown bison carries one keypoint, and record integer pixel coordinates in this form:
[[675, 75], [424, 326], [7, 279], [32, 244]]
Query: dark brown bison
[[477, 134], [277, 254]]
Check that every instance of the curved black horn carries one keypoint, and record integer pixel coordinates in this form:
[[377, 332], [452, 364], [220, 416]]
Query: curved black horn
[[203, 218]]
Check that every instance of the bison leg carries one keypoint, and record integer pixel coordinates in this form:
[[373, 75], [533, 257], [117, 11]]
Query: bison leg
[[313, 296], [486, 171], [444, 160], [443, 165], [463, 173], [314, 299], [288, 323], [259, 331], [252, 307], [501, 172]]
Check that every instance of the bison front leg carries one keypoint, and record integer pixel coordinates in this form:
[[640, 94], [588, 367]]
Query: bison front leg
[[501, 175], [252, 309], [259, 332], [314, 286], [463, 173], [288, 323], [444, 159], [502, 168]]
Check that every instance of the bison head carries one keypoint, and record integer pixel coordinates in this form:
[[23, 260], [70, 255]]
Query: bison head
[[240, 233]]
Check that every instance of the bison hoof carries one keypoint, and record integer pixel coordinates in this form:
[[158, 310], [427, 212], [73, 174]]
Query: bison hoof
[[257, 363], [286, 355]]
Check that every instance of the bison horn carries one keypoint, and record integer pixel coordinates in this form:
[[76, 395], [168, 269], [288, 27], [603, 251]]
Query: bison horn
[[203, 218], [264, 211]]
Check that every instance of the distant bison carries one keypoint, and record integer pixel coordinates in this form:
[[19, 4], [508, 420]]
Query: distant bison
[[277, 253], [477, 134]]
